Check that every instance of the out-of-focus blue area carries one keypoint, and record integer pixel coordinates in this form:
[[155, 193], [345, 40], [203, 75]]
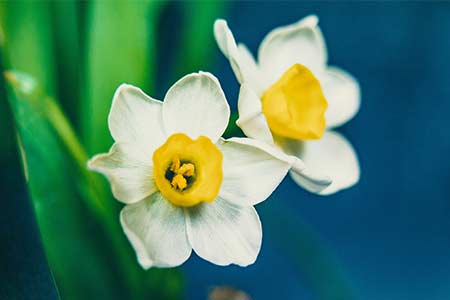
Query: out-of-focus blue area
[[390, 234]]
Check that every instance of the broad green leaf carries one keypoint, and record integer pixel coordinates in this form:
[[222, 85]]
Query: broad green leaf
[[125, 275], [73, 241], [6, 147], [10, 162], [28, 40], [120, 48], [67, 53], [198, 44]]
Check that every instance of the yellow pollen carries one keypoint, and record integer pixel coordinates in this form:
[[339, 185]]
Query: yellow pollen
[[294, 106], [186, 170], [175, 164], [179, 182]]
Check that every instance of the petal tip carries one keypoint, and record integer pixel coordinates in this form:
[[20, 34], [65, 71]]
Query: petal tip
[[220, 23], [209, 75], [141, 254], [310, 182], [122, 87], [91, 164], [224, 38], [310, 20]]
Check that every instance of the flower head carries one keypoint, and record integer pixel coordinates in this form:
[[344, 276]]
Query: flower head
[[183, 185], [292, 99]]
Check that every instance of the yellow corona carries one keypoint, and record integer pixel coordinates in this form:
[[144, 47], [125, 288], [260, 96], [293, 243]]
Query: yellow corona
[[186, 171]]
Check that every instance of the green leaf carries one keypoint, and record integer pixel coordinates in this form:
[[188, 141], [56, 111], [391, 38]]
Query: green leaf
[[127, 276], [28, 40], [198, 44], [120, 49], [73, 241], [65, 22]]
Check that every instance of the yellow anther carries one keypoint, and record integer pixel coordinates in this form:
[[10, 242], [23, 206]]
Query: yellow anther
[[187, 170], [179, 182], [175, 164]]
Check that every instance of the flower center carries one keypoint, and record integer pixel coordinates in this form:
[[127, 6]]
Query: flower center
[[295, 106], [180, 174], [188, 171]]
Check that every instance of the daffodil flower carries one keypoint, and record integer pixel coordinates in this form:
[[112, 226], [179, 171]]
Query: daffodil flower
[[183, 185], [292, 99]]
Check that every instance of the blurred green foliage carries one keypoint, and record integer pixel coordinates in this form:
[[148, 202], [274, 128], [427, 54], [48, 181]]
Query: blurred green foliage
[[120, 43], [64, 59], [72, 238]]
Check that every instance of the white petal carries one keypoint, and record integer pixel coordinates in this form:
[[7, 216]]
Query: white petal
[[241, 60], [250, 174], [308, 180], [136, 118], [301, 42], [129, 171], [196, 105], [224, 38], [251, 118], [343, 95], [247, 59], [157, 232], [223, 233], [313, 182], [332, 156], [250, 70]]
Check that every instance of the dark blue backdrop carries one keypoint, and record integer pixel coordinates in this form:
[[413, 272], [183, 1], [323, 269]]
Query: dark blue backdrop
[[390, 234], [386, 238]]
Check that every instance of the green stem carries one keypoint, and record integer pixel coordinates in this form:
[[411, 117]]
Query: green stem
[[67, 134]]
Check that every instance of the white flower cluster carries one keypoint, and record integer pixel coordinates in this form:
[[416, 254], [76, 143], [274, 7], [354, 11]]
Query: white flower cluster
[[186, 188]]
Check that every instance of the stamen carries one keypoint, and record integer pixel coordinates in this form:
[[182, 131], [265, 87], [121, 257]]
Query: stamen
[[175, 164], [187, 170], [180, 175], [179, 182]]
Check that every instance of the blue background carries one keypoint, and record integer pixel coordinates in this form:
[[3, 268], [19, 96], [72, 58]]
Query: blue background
[[390, 234], [386, 238]]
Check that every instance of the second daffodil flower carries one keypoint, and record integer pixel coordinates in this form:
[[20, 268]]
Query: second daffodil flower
[[183, 185], [292, 99]]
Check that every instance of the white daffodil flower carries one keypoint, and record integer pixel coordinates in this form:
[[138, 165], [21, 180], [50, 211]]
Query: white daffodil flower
[[183, 185], [284, 97]]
